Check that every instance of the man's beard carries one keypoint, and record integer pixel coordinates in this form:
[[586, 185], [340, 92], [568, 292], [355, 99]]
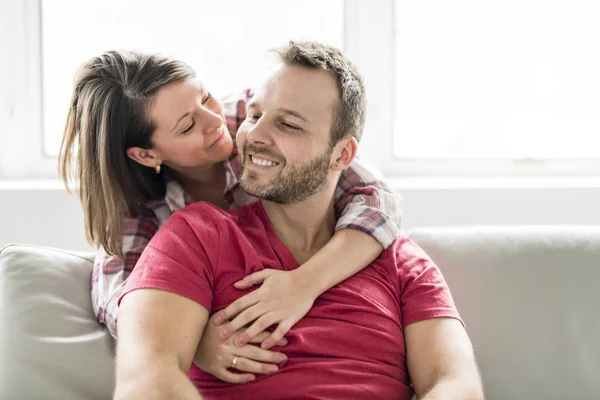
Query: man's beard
[[292, 184]]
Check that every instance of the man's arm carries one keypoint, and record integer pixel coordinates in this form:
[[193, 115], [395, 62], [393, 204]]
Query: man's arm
[[441, 362], [159, 332]]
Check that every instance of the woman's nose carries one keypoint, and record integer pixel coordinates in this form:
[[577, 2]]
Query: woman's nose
[[211, 120]]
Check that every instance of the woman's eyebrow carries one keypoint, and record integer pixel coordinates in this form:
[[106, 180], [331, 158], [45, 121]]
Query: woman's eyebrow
[[180, 118]]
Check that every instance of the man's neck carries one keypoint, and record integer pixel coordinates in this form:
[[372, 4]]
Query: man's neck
[[303, 227]]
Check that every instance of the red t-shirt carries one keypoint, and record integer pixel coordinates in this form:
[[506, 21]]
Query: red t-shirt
[[350, 345]]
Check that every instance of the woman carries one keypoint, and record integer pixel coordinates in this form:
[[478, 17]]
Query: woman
[[147, 139]]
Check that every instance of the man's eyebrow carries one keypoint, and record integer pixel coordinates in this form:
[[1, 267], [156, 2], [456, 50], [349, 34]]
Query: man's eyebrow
[[252, 104], [293, 113], [180, 118]]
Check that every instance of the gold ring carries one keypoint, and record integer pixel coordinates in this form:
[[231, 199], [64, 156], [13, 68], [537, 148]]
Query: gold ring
[[235, 360]]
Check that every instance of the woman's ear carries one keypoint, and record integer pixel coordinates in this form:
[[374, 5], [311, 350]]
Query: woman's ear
[[344, 153], [145, 157]]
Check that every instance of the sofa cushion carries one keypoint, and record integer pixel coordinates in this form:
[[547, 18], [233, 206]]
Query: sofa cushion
[[530, 299], [51, 346]]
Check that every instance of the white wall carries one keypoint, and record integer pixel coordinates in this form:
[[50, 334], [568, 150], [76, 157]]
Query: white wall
[[45, 214]]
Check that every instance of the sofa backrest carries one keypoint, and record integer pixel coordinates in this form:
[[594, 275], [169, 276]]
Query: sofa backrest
[[51, 346], [530, 299]]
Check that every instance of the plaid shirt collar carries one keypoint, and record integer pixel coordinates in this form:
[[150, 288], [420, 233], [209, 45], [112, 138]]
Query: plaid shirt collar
[[175, 197]]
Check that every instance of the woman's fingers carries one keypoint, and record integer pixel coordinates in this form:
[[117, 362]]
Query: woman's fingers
[[260, 355], [277, 335], [230, 377], [243, 319], [257, 327], [253, 279], [261, 337], [238, 306], [247, 365]]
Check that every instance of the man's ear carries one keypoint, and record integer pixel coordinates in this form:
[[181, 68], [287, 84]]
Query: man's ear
[[343, 154], [145, 157]]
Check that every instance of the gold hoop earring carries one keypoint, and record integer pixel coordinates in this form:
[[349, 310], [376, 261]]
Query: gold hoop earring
[[157, 169]]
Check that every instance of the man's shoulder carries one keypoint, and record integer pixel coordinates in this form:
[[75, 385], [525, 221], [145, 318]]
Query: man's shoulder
[[406, 247], [202, 210], [405, 254]]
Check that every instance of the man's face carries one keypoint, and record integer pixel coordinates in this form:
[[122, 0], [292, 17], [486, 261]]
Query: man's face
[[284, 141]]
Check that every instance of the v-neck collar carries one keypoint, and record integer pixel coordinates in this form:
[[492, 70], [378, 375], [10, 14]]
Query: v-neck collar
[[288, 262]]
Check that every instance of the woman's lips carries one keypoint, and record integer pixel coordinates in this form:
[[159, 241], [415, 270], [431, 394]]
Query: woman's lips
[[218, 139]]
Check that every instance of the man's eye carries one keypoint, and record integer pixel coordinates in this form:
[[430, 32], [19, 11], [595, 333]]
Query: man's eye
[[189, 128], [253, 117], [208, 97], [289, 126]]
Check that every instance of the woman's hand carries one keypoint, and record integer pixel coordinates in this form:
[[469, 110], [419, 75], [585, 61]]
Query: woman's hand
[[216, 356], [283, 298]]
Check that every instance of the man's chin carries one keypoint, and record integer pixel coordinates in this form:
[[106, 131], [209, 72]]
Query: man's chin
[[253, 188]]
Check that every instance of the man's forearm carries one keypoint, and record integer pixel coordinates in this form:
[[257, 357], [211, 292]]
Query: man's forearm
[[454, 389], [159, 385]]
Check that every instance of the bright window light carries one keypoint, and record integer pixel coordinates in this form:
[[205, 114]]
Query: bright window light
[[497, 79], [226, 42]]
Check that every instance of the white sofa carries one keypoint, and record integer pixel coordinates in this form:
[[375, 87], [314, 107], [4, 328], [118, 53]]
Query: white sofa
[[529, 296]]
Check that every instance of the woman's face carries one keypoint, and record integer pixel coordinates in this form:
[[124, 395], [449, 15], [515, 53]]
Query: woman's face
[[191, 130]]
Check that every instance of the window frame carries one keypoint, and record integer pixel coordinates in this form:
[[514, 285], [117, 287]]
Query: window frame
[[370, 45], [23, 156]]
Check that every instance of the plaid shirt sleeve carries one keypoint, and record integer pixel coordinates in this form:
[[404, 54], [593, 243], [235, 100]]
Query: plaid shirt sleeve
[[234, 108], [110, 272], [366, 203]]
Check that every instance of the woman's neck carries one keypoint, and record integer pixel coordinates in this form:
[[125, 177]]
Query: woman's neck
[[207, 184]]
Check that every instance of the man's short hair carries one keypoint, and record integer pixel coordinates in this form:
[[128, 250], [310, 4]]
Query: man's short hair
[[349, 115]]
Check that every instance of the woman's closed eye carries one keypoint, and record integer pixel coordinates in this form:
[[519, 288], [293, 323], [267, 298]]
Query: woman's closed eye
[[189, 128], [207, 99]]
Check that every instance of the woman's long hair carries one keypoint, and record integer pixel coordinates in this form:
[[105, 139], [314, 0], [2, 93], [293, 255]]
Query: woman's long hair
[[109, 113]]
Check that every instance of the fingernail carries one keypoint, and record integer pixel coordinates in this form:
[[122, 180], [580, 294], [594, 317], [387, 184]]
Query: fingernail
[[272, 369], [239, 341], [224, 333], [218, 318], [282, 358]]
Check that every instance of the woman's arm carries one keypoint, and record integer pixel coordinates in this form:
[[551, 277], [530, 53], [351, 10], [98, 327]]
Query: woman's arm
[[365, 202], [109, 276], [368, 224]]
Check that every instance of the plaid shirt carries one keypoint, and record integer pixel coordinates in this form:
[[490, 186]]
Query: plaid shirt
[[362, 202]]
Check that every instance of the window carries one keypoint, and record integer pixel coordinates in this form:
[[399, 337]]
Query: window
[[501, 87], [226, 42], [471, 87]]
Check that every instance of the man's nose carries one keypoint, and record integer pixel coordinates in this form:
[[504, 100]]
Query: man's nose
[[259, 133]]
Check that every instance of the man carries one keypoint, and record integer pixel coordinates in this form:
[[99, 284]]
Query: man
[[363, 338]]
